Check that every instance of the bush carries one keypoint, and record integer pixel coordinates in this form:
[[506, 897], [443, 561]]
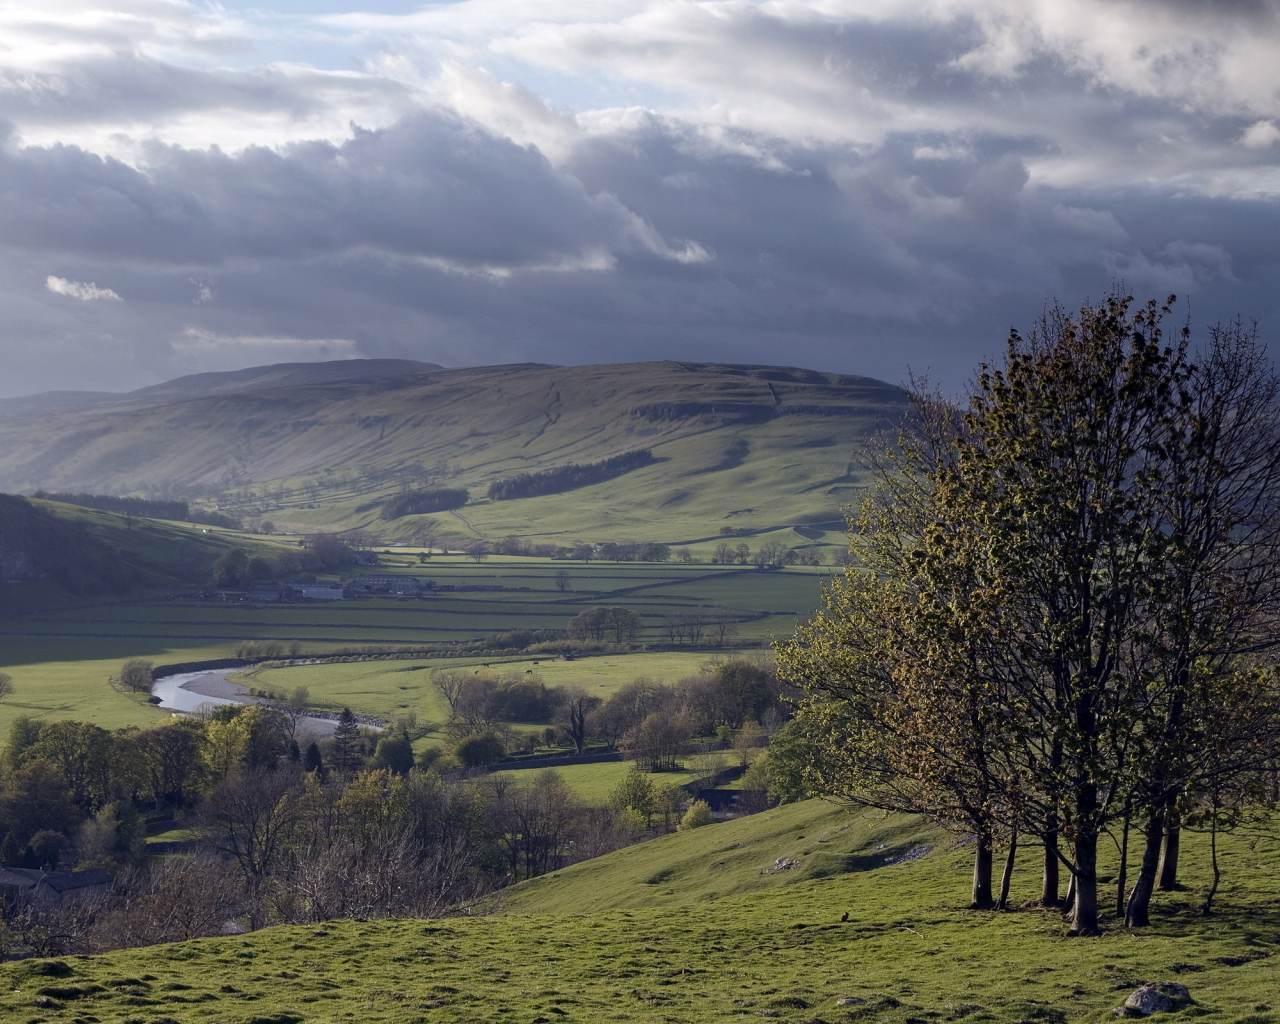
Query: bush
[[696, 816], [482, 748]]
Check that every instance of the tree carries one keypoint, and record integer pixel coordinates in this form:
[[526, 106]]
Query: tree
[[393, 753], [230, 569], [575, 710], [723, 554], [657, 742], [477, 550], [771, 555], [6, 685], [346, 757], [136, 674], [636, 792], [563, 580], [1006, 649]]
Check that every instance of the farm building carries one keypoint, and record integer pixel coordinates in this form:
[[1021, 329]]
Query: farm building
[[45, 890], [401, 585], [320, 591]]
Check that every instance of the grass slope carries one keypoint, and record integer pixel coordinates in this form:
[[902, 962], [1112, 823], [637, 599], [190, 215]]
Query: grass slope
[[750, 447], [719, 952]]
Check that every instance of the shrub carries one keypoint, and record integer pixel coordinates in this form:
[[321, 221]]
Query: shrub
[[696, 816], [481, 748]]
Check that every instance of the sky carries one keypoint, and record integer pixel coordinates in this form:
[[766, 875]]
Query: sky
[[882, 187]]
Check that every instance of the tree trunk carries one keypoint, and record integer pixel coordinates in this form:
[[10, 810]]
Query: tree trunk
[[1217, 871], [1138, 912], [1070, 902], [1007, 876], [1084, 916], [982, 863], [1122, 878], [1168, 871], [1052, 868]]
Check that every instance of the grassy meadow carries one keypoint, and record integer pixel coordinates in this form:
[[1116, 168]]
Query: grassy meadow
[[61, 658], [704, 926]]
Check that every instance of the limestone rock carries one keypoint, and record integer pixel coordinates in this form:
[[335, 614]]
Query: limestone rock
[[1155, 997]]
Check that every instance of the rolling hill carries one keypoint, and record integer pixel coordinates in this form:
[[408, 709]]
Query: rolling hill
[[727, 935], [321, 447]]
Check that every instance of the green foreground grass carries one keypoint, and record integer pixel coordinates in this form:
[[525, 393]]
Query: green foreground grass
[[700, 927]]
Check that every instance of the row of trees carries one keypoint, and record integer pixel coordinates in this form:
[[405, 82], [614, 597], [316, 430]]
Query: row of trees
[[569, 477], [1062, 603], [652, 723]]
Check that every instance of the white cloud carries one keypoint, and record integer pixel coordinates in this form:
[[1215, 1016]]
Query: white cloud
[[79, 290], [1261, 135]]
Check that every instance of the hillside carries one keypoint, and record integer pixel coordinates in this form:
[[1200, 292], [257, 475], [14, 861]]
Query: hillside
[[749, 447], [908, 954], [51, 553]]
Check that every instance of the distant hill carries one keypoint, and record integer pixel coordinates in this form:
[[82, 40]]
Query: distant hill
[[323, 445], [203, 385]]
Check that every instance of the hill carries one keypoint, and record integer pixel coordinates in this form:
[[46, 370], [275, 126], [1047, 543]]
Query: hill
[[908, 954], [51, 553], [746, 447], [202, 385]]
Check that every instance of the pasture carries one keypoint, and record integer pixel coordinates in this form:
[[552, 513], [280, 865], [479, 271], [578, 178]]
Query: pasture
[[61, 659], [705, 927]]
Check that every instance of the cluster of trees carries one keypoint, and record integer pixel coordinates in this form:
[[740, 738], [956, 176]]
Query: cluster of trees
[[236, 568], [605, 624], [570, 477], [281, 839], [770, 555], [1059, 621], [714, 625], [652, 723], [436, 499]]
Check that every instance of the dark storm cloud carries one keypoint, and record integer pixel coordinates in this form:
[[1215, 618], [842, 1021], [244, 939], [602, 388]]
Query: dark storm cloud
[[851, 186]]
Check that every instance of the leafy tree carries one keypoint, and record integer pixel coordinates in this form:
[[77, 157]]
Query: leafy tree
[[6, 685], [1007, 648], [395, 754], [230, 569], [136, 674], [637, 792]]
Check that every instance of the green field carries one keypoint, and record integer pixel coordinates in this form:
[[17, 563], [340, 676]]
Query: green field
[[700, 927], [60, 659], [594, 782]]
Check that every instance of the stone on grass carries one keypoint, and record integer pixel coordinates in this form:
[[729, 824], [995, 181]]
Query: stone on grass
[[850, 1001], [1154, 997]]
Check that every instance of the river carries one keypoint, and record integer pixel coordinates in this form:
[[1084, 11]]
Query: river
[[189, 691]]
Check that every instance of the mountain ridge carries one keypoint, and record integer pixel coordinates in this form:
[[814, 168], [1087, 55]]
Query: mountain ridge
[[761, 444]]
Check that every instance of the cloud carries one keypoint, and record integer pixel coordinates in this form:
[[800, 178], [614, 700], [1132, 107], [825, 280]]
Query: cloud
[[852, 185], [79, 290]]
